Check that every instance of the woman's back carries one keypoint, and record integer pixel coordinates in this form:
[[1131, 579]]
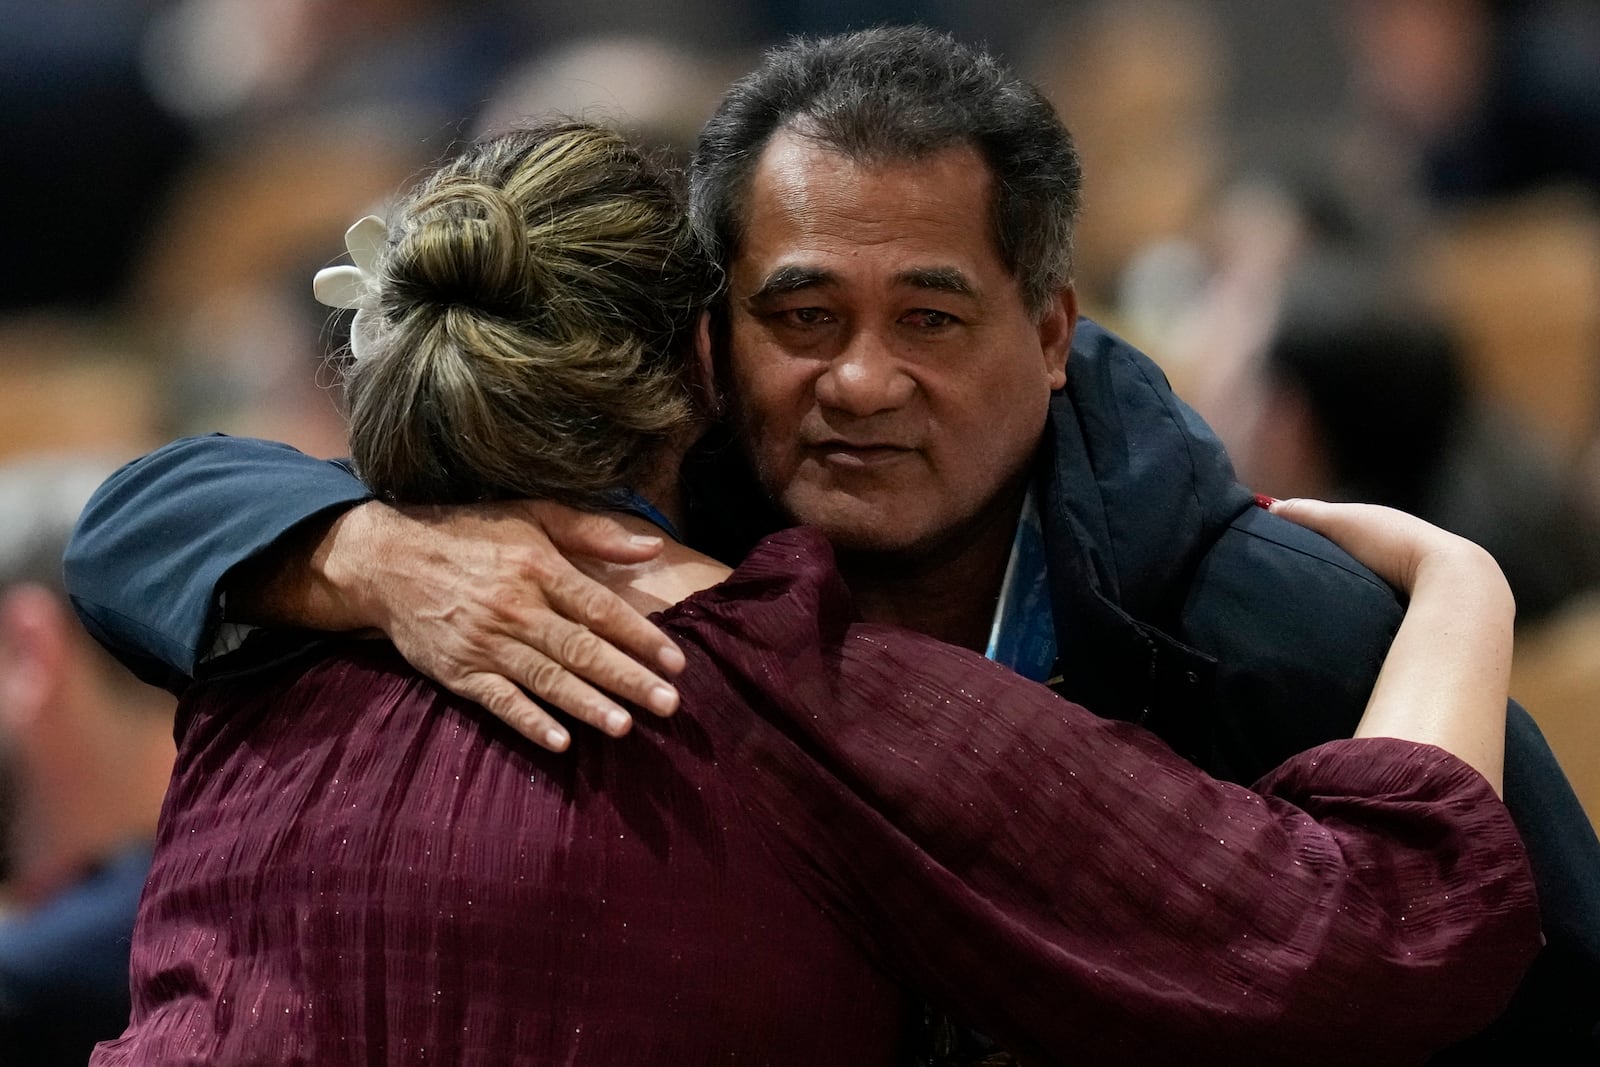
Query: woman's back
[[357, 867]]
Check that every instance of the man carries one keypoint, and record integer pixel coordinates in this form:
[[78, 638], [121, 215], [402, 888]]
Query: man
[[899, 345], [90, 749]]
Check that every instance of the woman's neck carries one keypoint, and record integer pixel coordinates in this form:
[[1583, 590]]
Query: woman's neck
[[661, 483], [679, 571], [676, 574]]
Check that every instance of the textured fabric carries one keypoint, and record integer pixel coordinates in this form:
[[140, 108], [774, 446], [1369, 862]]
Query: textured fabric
[[357, 868], [1077, 889]]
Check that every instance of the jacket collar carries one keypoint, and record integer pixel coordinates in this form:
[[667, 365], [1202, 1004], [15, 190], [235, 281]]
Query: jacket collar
[[1134, 489]]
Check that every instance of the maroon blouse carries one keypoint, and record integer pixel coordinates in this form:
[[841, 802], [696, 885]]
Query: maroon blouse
[[357, 867]]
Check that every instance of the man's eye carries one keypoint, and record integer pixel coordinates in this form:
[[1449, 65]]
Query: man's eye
[[803, 317], [930, 318]]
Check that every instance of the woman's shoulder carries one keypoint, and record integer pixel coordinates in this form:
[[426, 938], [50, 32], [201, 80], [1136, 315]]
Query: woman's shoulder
[[787, 586]]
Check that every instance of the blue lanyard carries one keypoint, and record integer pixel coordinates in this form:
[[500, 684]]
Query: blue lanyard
[[1023, 634], [634, 504]]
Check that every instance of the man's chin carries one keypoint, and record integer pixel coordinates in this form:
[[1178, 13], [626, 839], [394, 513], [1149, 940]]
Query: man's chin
[[867, 542], [856, 528]]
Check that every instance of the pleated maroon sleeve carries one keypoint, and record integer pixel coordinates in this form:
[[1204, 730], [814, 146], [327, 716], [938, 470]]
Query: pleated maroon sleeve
[[1069, 884]]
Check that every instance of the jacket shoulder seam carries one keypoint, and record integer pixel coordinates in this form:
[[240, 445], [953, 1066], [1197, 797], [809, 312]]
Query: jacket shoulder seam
[[1366, 579]]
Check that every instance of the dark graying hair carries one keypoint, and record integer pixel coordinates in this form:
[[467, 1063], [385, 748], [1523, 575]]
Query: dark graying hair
[[900, 93]]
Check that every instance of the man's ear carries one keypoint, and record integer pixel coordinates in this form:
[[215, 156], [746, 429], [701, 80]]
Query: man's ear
[[703, 373], [35, 645], [1056, 325]]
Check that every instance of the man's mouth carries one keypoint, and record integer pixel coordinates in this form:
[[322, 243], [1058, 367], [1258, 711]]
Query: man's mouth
[[853, 455]]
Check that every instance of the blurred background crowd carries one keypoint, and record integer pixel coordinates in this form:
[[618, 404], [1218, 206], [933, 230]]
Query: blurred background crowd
[[1361, 236]]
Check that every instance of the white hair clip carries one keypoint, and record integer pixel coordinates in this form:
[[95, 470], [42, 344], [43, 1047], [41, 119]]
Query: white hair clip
[[355, 286]]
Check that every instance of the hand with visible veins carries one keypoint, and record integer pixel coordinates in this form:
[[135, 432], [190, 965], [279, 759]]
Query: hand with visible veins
[[484, 600]]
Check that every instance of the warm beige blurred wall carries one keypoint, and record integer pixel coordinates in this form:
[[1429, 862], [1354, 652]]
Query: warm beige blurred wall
[[64, 388]]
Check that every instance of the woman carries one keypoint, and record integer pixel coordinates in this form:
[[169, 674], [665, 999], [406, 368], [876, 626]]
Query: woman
[[356, 866]]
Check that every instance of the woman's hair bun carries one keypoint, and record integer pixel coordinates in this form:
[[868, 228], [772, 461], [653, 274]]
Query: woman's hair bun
[[535, 304], [463, 244]]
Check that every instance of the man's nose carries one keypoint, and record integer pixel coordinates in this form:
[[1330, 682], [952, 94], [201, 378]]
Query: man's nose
[[865, 378]]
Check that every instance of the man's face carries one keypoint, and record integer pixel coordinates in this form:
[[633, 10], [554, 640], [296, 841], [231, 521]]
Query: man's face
[[891, 383]]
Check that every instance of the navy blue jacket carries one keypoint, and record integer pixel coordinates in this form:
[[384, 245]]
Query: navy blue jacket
[[1238, 637]]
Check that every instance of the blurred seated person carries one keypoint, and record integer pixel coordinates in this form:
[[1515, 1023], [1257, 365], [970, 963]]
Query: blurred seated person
[[1485, 98], [1366, 397], [86, 749], [356, 865]]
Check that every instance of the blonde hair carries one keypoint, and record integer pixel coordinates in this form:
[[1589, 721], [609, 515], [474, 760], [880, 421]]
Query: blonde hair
[[534, 303]]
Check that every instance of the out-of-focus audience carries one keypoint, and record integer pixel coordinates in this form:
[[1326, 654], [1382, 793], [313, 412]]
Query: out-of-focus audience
[[219, 296], [89, 150], [1485, 98], [85, 753], [1367, 397], [423, 63], [658, 92], [1142, 85]]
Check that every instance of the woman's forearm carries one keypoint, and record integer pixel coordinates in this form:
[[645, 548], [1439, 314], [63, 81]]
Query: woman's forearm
[[1447, 675]]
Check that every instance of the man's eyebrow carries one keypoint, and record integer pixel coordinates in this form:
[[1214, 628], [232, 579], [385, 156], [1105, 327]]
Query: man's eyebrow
[[790, 279], [940, 279]]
